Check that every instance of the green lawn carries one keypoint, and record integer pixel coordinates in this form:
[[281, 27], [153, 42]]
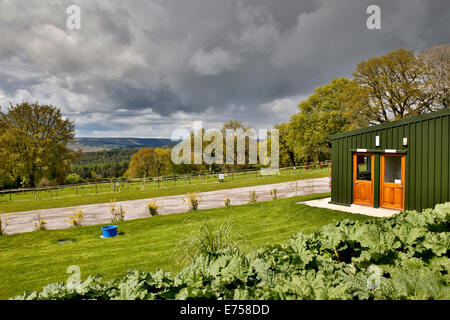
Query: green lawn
[[133, 190], [30, 260]]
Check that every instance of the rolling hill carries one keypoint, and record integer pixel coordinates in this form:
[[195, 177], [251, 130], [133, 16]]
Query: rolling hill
[[98, 144]]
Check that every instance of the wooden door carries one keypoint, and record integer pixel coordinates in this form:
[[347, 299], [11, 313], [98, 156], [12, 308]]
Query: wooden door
[[392, 181], [363, 168]]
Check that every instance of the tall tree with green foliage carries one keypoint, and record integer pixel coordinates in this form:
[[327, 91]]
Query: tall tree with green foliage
[[391, 87], [287, 155], [150, 162], [34, 139], [322, 114], [236, 125]]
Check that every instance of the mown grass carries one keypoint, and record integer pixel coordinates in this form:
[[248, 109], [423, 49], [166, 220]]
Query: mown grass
[[17, 204], [30, 260]]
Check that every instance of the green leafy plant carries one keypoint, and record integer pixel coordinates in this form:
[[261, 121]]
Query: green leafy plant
[[4, 222], [40, 225], [252, 197], [77, 218], [193, 200], [211, 238], [273, 194], [152, 208], [117, 212]]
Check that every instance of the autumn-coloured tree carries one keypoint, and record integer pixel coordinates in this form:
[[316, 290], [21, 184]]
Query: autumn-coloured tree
[[33, 143], [150, 162]]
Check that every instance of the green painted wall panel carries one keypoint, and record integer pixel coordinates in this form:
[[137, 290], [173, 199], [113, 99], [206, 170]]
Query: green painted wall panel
[[418, 168], [438, 162], [423, 194], [427, 173], [445, 159]]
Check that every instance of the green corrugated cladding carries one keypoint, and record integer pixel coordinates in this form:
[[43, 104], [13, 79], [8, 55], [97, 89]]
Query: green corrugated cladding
[[427, 174]]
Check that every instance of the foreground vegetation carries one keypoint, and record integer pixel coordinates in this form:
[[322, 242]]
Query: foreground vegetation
[[91, 194], [30, 260], [403, 257]]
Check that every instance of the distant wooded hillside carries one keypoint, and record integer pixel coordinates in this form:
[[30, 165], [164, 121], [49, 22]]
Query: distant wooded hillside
[[104, 164], [98, 144]]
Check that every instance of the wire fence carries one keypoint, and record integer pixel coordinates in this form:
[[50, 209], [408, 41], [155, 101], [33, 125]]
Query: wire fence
[[143, 184]]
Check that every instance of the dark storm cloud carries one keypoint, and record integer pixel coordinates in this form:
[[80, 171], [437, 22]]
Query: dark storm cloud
[[144, 68], [125, 96]]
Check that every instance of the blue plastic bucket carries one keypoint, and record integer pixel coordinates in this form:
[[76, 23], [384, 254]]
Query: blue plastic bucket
[[109, 231]]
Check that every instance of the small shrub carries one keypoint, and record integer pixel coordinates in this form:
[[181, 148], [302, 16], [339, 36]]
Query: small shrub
[[152, 208], [117, 212], [40, 225], [76, 220], [211, 238], [73, 178], [4, 222], [252, 197], [227, 202], [273, 194], [193, 200]]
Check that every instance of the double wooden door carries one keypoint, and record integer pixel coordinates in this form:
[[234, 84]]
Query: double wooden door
[[392, 180]]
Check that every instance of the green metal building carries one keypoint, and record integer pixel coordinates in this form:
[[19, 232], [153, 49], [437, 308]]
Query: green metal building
[[401, 165]]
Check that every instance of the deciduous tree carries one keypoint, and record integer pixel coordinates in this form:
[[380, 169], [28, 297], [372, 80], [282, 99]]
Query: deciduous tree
[[322, 114], [150, 162], [436, 61], [390, 87], [34, 139]]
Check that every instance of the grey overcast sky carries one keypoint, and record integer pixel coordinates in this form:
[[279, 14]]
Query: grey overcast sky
[[144, 68]]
